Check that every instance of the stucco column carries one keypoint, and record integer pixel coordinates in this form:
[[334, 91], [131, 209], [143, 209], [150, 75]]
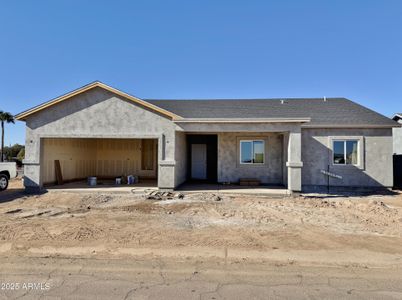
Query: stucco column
[[32, 178], [166, 162], [294, 163]]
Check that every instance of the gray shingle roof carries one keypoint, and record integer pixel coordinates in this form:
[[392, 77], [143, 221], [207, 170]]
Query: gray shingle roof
[[333, 111]]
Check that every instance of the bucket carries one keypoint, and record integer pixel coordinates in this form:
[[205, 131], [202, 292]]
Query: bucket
[[92, 181], [130, 179]]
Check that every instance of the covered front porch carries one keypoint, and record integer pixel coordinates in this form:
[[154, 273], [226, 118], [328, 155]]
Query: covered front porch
[[221, 156]]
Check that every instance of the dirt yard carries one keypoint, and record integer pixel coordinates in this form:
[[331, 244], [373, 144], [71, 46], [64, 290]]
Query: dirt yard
[[347, 231]]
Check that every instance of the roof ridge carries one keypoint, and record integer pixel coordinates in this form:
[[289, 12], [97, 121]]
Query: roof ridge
[[243, 99]]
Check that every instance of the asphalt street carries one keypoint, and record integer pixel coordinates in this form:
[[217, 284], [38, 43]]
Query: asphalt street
[[61, 278]]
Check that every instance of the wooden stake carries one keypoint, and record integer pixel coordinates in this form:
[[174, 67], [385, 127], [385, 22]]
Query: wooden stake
[[59, 175]]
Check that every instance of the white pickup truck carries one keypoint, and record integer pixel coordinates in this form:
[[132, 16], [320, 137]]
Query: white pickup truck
[[8, 170]]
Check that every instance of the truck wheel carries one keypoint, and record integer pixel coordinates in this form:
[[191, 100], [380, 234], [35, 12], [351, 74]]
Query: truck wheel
[[3, 182]]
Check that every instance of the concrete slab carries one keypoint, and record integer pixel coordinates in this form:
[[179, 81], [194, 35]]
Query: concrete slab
[[234, 189], [104, 187], [146, 186]]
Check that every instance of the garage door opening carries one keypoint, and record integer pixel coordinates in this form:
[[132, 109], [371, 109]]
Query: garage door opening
[[106, 159]]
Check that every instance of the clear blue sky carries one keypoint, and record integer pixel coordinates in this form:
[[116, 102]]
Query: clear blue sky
[[201, 49]]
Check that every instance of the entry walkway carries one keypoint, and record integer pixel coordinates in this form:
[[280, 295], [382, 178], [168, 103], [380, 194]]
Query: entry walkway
[[234, 189]]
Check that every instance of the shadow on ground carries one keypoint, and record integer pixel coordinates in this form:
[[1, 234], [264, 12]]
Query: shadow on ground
[[15, 191], [352, 192]]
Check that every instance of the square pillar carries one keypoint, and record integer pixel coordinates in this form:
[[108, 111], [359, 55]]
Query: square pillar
[[294, 163], [166, 162], [32, 168], [166, 175]]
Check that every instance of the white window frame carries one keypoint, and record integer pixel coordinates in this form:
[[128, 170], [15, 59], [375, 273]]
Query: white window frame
[[344, 151], [252, 151]]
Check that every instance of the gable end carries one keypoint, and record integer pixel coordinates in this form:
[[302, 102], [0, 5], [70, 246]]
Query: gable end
[[23, 115]]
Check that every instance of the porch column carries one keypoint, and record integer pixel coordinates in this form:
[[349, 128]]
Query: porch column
[[294, 163]]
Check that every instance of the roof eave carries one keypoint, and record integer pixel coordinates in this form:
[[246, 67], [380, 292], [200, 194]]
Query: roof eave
[[243, 120], [350, 126]]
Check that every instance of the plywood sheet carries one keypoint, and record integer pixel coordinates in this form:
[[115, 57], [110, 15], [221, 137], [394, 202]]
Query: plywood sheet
[[80, 158]]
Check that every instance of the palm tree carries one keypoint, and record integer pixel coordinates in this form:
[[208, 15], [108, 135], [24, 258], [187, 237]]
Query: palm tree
[[5, 117]]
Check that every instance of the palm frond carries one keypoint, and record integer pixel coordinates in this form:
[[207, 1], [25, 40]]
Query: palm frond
[[6, 117]]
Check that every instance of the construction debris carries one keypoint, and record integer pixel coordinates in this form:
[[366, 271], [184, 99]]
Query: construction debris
[[14, 211], [216, 197], [159, 195], [249, 182]]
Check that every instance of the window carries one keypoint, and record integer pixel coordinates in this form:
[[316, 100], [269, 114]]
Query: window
[[252, 152], [346, 152]]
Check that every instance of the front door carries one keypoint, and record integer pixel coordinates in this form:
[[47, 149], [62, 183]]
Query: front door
[[199, 161]]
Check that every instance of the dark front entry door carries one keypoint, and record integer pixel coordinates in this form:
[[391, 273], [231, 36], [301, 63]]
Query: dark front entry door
[[202, 157], [398, 171]]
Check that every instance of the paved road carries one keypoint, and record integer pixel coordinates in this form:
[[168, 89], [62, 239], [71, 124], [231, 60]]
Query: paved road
[[57, 278]]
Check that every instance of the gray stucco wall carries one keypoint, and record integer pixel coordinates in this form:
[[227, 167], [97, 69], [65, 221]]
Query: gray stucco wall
[[397, 135], [181, 158], [375, 168], [98, 113], [285, 158], [229, 167]]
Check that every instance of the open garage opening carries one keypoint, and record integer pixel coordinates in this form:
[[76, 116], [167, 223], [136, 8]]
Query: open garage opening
[[105, 159]]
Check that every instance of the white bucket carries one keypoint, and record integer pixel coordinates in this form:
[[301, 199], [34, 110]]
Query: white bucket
[[92, 181]]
